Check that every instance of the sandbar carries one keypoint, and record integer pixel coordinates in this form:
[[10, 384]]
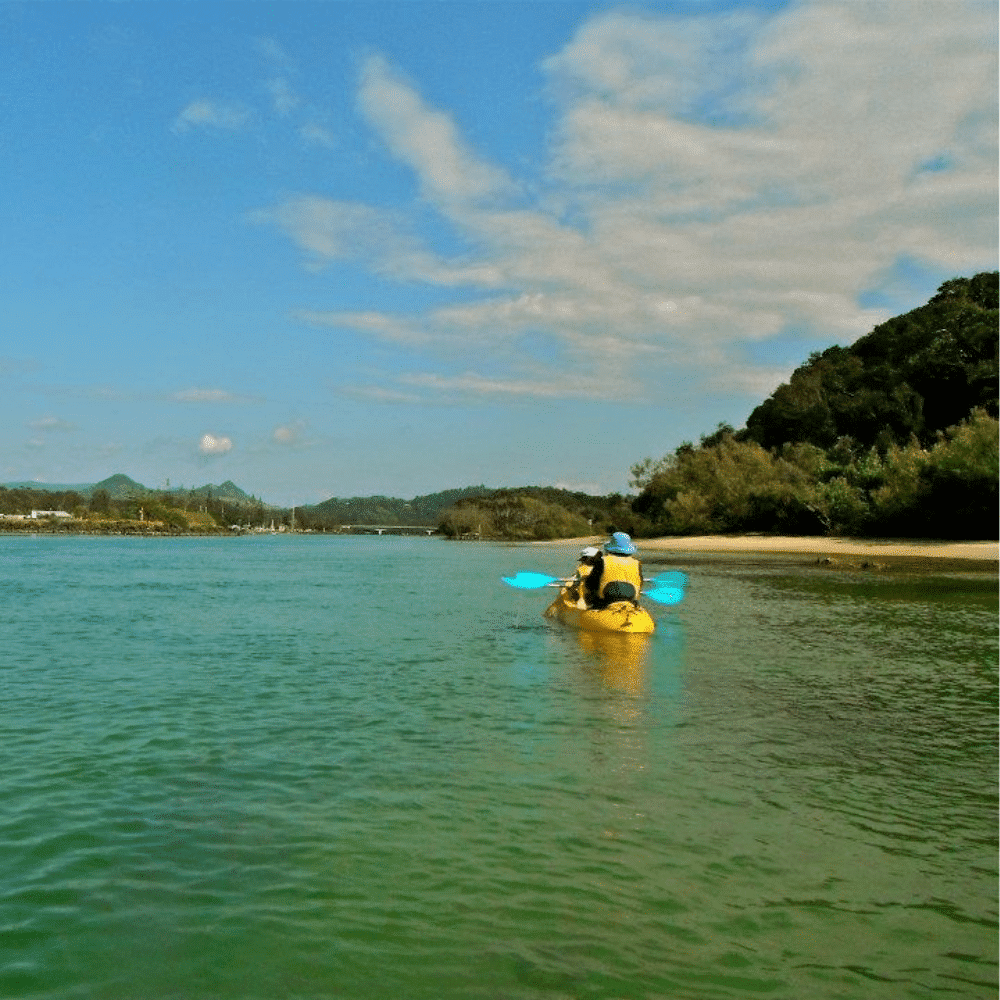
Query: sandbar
[[870, 552]]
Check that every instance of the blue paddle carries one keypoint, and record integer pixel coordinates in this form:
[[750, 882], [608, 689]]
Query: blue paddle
[[665, 595], [531, 581], [666, 585]]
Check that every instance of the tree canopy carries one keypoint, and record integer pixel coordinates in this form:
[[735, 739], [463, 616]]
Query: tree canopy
[[915, 374], [896, 434]]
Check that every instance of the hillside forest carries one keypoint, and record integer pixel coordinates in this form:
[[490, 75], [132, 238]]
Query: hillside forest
[[894, 436]]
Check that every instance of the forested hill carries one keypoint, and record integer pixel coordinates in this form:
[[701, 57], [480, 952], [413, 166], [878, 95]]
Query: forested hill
[[895, 435], [915, 374], [386, 510]]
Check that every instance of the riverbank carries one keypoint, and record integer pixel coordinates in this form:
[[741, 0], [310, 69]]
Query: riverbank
[[861, 553], [198, 525]]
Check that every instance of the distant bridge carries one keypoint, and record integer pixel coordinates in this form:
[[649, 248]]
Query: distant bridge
[[387, 529]]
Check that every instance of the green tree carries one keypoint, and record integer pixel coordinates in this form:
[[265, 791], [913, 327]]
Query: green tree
[[915, 374], [729, 485], [100, 502], [961, 474]]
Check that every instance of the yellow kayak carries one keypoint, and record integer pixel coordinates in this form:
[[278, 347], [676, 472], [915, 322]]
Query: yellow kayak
[[622, 617]]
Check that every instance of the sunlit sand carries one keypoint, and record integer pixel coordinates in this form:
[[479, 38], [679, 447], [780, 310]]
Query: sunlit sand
[[876, 548]]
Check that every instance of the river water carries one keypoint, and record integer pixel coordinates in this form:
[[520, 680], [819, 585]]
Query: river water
[[361, 767]]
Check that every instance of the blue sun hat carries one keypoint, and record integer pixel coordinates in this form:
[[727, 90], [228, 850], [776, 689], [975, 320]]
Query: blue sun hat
[[620, 545]]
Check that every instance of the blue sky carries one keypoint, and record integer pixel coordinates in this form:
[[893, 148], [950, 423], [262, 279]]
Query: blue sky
[[336, 249]]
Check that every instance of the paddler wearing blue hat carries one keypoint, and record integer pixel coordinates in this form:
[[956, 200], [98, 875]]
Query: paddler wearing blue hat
[[616, 574]]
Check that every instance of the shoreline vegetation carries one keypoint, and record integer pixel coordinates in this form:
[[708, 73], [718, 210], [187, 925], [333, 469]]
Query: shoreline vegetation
[[869, 554], [895, 436]]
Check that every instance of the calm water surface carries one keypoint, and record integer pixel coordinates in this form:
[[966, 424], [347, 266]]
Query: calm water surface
[[340, 767]]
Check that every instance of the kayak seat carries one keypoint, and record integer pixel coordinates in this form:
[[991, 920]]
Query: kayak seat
[[615, 591]]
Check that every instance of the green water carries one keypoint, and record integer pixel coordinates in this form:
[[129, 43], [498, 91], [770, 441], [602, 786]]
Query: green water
[[338, 767]]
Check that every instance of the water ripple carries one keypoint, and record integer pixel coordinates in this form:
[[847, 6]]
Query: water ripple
[[223, 779]]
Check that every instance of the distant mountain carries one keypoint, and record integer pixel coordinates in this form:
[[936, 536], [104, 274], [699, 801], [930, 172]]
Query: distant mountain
[[122, 487], [422, 510], [227, 491], [430, 509], [118, 487]]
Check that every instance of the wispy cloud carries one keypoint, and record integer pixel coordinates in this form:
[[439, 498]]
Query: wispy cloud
[[712, 182], [315, 134], [275, 54], [331, 230], [383, 394], [51, 423], [473, 385], [290, 435], [209, 114], [204, 396], [425, 138], [532, 384], [284, 100]]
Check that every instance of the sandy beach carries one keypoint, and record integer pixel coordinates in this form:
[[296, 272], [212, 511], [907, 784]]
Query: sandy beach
[[863, 552]]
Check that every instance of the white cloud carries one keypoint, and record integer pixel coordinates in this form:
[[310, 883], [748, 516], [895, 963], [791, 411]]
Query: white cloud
[[470, 387], [380, 325], [381, 394], [205, 113], [329, 230], [289, 435], [317, 135], [275, 53], [284, 100], [713, 182], [754, 382], [425, 138], [332, 230], [471, 384], [212, 444], [51, 423], [204, 396]]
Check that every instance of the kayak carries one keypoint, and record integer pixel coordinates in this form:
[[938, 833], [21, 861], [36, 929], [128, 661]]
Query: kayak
[[622, 617]]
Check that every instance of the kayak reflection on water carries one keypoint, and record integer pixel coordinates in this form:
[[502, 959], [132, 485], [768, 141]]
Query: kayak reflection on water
[[622, 658]]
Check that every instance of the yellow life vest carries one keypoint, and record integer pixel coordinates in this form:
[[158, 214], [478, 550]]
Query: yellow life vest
[[623, 569]]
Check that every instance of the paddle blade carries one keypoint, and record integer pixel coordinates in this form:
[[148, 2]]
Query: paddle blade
[[529, 581], [665, 595], [675, 578]]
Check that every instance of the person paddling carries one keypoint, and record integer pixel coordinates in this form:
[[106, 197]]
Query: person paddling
[[588, 556], [616, 574]]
